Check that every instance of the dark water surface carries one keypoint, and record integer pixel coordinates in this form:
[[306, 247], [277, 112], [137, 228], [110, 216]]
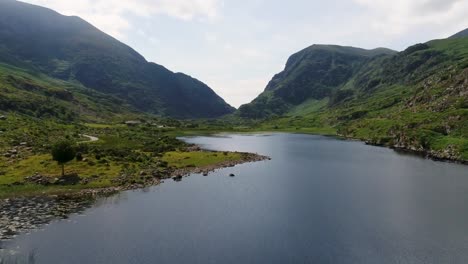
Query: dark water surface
[[319, 200]]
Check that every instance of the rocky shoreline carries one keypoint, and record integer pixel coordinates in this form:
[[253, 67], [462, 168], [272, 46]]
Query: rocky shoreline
[[447, 155], [147, 177], [443, 156], [156, 178], [22, 214], [247, 158]]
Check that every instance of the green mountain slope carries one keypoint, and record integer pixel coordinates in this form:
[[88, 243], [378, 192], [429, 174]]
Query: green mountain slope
[[461, 34], [39, 96], [313, 73], [416, 100], [70, 49]]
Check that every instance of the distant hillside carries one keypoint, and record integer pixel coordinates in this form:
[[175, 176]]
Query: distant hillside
[[416, 99], [313, 73], [461, 34], [70, 49], [39, 96]]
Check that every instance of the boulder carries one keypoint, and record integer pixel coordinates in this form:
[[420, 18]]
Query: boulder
[[13, 151], [193, 148], [71, 179], [38, 179], [177, 178]]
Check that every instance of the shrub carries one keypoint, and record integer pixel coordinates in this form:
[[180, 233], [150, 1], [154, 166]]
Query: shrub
[[63, 152]]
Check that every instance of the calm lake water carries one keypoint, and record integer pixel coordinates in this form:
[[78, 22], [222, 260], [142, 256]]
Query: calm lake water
[[319, 200]]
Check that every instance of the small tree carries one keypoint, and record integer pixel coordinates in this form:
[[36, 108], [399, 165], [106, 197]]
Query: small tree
[[63, 152]]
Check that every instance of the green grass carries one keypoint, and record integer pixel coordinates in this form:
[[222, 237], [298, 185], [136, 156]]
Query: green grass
[[121, 150], [40, 96], [309, 107], [118, 142], [15, 173], [42, 164], [30, 190], [102, 126], [199, 158]]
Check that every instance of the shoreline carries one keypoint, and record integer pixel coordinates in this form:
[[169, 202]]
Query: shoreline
[[423, 153], [26, 213], [175, 174], [42, 209], [440, 156]]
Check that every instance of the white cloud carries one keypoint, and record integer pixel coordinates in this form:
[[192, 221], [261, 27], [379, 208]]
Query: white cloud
[[154, 40], [251, 53], [398, 17], [110, 15], [211, 38], [436, 5]]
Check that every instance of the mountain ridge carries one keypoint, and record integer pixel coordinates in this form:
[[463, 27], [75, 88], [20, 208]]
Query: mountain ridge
[[461, 34], [415, 100], [313, 72], [71, 49]]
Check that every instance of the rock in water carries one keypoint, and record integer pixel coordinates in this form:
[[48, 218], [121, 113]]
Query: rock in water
[[177, 178]]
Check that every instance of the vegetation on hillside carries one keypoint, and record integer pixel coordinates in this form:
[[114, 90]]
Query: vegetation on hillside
[[122, 157], [70, 49], [416, 99], [313, 73]]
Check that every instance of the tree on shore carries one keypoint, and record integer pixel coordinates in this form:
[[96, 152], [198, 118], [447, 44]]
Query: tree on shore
[[63, 152]]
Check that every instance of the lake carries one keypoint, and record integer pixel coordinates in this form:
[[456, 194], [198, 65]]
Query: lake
[[319, 200]]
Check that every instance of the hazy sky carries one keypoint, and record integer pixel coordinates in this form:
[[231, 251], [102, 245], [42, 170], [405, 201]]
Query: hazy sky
[[236, 46]]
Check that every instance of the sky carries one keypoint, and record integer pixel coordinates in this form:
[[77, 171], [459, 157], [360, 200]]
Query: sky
[[236, 46]]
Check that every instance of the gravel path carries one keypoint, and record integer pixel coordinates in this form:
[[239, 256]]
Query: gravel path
[[91, 138]]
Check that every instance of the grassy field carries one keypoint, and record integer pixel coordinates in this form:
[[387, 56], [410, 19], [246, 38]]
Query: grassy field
[[180, 159], [121, 155], [12, 182]]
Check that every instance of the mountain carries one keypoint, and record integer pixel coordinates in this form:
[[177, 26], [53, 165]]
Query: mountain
[[461, 34], [313, 73], [70, 49], [415, 100]]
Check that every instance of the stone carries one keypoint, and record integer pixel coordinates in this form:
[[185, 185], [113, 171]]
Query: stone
[[71, 179], [193, 148], [177, 178], [38, 179], [232, 175]]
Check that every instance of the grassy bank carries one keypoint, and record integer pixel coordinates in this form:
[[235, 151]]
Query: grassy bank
[[124, 155]]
